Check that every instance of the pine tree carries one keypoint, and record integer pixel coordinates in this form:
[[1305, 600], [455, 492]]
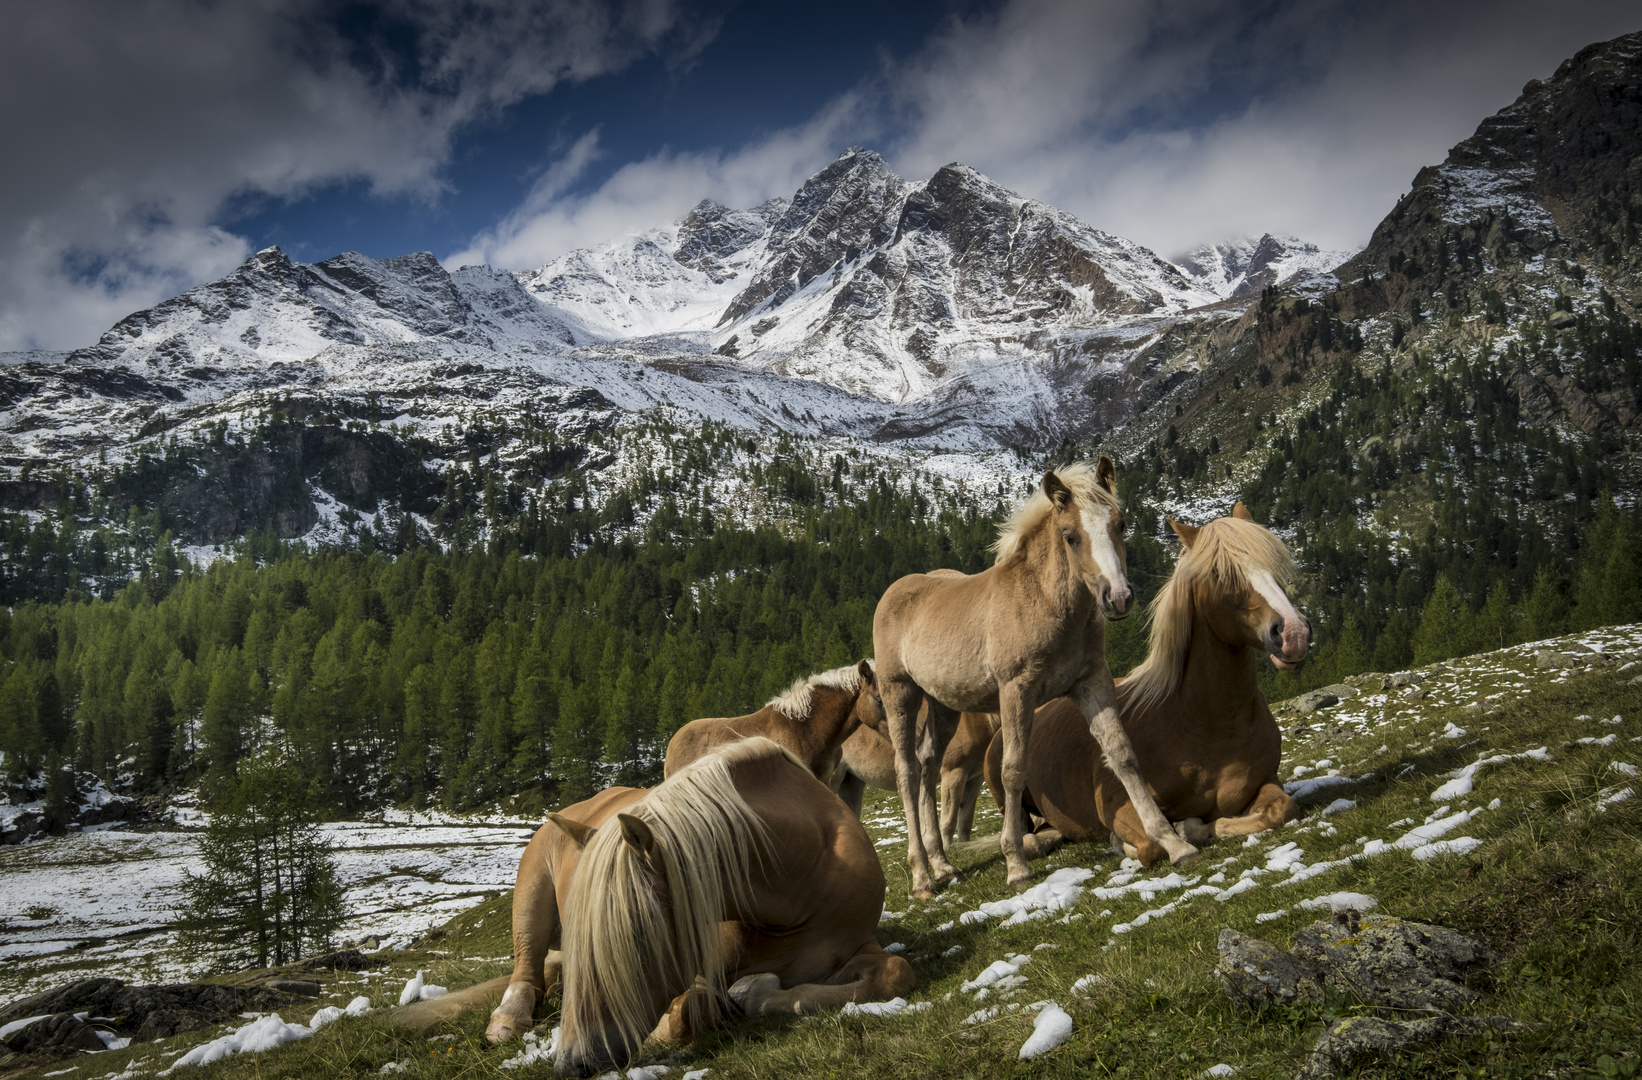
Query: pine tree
[[1445, 625], [268, 893]]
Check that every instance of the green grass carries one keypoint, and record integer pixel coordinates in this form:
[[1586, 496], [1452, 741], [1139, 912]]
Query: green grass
[[1553, 887]]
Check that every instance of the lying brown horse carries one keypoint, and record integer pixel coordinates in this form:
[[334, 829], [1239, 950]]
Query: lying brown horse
[[811, 720], [868, 760], [1207, 743], [740, 877], [1030, 628]]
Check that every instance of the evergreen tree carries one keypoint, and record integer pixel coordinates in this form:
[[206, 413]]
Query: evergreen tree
[[268, 893], [1445, 626]]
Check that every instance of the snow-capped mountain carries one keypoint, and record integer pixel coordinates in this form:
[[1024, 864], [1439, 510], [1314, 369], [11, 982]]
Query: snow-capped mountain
[[1246, 264]]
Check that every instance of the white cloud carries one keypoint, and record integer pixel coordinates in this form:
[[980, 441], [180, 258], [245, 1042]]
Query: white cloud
[[1329, 109], [129, 126], [659, 188]]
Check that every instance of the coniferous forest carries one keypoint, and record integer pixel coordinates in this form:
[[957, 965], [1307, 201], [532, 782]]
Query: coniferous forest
[[536, 656]]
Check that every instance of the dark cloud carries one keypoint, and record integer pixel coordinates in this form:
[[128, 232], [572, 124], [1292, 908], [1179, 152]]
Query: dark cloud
[[129, 124]]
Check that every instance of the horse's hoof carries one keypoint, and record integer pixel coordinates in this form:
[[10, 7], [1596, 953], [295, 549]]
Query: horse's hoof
[[752, 993], [1021, 884], [1181, 853], [503, 1028], [1194, 830]]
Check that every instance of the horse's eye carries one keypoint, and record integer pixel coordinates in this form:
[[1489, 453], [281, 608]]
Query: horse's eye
[[1122, 526], [1071, 537]]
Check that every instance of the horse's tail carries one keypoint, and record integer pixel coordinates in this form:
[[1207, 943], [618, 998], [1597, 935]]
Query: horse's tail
[[703, 838], [1033, 844], [424, 1015]]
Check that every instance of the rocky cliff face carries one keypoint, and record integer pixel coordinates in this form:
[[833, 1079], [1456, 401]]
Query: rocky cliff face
[[1247, 265]]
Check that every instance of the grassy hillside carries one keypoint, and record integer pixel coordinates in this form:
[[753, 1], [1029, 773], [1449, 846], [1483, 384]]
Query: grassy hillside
[[1552, 886]]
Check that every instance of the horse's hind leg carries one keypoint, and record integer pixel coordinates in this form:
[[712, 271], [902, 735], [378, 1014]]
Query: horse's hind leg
[[1270, 808], [870, 975], [938, 730], [901, 700], [852, 789]]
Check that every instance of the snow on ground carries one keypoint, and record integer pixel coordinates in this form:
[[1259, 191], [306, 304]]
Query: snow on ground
[[104, 900]]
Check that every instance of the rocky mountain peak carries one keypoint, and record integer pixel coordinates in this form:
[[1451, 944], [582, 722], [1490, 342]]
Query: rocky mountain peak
[[712, 232], [1245, 265], [847, 208]]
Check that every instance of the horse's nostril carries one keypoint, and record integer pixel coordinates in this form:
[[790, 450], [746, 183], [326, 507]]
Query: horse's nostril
[[1277, 629]]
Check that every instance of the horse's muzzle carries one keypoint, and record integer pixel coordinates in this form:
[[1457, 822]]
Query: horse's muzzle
[[1116, 603], [1289, 642]]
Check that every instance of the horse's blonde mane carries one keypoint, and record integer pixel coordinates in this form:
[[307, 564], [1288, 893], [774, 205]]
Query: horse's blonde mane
[[1079, 476], [794, 703], [1225, 550], [618, 937]]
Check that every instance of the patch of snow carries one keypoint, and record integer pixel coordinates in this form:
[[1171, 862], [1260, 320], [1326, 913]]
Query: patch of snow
[[1340, 901], [1051, 1028], [892, 1007]]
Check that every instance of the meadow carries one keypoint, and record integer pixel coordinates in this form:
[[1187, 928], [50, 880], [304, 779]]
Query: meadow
[[1539, 864]]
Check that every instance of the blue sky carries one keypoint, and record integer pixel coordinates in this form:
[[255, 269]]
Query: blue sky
[[154, 144]]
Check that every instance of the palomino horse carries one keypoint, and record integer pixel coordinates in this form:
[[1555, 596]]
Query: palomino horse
[[810, 720], [1208, 745], [741, 870], [868, 760], [1029, 628]]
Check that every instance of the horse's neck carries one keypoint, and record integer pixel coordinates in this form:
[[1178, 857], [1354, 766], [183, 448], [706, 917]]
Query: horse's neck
[[1218, 682], [830, 709]]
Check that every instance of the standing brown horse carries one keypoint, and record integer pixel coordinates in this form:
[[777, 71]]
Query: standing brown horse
[[868, 760], [811, 720], [1207, 743], [740, 871], [1030, 628]]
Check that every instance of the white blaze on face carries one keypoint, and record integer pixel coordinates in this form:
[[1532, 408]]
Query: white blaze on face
[[1296, 635], [1101, 547]]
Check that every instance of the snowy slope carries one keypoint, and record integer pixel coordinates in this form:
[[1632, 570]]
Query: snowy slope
[[1246, 265]]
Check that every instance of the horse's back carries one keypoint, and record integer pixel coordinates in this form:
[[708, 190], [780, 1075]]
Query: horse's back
[[699, 738]]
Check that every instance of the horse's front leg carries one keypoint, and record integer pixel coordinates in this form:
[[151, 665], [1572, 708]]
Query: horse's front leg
[[901, 700], [1271, 807], [1015, 706], [870, 975], [535, 925], [1097, 698]]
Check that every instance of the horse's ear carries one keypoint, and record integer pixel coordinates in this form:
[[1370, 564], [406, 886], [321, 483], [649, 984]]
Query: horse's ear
[[869, 677], [1241, 512], [1058, 493], [1106, 474], [1187, 533], [637, 834], [578, 833]]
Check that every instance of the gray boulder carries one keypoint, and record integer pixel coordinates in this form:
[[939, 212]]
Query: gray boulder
[[1392, 962], [1356, 1041], [1257, 973]]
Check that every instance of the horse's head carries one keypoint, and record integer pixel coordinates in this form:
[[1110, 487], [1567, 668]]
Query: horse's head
[[619, 909], [1087, 521], [868, 710], [1242, 593]]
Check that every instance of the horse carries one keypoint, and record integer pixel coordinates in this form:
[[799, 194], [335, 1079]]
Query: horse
[[739, 878], [1029, 628], [811, 720], [1207, 743], [868, 760]]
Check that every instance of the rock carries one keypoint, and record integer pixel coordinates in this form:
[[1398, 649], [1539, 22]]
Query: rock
[[1342, 691], [1359, 1040], [343, 960], [150, 1012], [61, 1032], [299, 987], [1550, 659], [1392, 962], [1401, 679], [1473, 709], [1415, 693], [1314, 700], [1257, 974]]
